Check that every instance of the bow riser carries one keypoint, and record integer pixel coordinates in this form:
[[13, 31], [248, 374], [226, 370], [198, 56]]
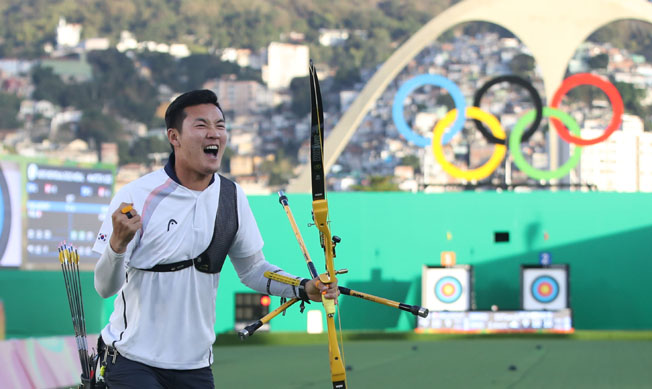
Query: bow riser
[[320, 216]]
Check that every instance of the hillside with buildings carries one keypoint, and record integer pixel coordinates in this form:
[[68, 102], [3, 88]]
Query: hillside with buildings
[[85, 91]]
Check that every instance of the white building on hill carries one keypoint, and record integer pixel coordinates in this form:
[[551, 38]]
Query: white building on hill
[[68, 35], [285, 61]]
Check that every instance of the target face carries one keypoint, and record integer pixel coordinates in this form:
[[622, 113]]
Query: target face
[[5, 214], [10, 220], [448, 289], [545, 287]]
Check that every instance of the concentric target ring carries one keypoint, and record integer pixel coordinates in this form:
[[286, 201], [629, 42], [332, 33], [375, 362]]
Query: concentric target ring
[[545, 289], [5, 214], [448, 289]]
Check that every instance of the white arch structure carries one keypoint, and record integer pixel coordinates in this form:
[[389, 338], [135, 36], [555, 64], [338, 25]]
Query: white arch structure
[[551, 29]]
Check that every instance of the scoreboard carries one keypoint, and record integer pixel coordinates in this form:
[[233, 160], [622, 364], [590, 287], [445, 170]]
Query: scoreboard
[[61, 203], [249, 307], [64, 204]]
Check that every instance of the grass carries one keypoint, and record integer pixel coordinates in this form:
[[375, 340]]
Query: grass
[[585, 359], [295, 338]]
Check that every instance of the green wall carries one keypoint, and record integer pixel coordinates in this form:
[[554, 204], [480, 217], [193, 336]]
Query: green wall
[[387, 237], [36, 303]]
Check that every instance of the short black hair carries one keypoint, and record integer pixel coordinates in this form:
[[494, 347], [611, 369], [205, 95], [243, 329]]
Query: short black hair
[[175, 113]]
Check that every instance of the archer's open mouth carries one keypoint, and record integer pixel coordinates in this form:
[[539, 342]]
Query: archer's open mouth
[[212, 150]]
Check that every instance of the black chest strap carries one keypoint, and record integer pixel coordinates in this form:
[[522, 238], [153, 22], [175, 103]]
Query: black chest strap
[[226, 226]]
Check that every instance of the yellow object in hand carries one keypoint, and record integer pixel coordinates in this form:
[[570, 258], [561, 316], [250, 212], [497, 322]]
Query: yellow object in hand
[[126, 210]]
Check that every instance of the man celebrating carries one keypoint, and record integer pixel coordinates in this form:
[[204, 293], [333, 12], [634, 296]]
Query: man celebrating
[[162, 246]]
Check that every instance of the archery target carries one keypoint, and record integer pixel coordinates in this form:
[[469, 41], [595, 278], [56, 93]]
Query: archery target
[[544, 288], [10, 222], [446, 288], [5, 214]]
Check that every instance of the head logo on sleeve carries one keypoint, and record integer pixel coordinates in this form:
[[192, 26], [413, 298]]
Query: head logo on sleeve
[[171, 223]]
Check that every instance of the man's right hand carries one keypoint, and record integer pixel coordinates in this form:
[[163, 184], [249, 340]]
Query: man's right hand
[[124, 228]]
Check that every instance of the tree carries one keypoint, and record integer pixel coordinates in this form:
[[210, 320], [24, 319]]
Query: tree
[[412, 160], [378, 184], [9, 107], [47, 85], [346, 76], [377, 48], [599, 61], [632, 97], [141, 149], [163, 68], [522, 64], [446, 100], [280, 170], [118, 87], [194, 70], [96, 127]]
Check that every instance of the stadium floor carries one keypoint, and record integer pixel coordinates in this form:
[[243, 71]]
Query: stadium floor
[[594, 359]]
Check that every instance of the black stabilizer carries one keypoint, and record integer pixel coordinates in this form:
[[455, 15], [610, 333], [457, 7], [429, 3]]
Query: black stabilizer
[[282, 198], [339, 385], [249, 330], [414, 309]]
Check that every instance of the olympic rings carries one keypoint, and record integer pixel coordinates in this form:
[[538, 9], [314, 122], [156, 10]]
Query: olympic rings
[[519, 160], [561, 121], [608, 88], [414, 83], [484, 170], [536, 99]]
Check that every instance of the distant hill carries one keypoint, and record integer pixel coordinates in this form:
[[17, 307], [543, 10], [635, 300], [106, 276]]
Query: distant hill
[[635, 36], [27, 25]]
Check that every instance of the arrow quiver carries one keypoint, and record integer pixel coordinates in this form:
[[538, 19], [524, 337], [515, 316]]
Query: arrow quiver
[[69, 259]]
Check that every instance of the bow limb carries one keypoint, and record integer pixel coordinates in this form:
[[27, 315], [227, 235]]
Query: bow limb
[[320, 217]]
